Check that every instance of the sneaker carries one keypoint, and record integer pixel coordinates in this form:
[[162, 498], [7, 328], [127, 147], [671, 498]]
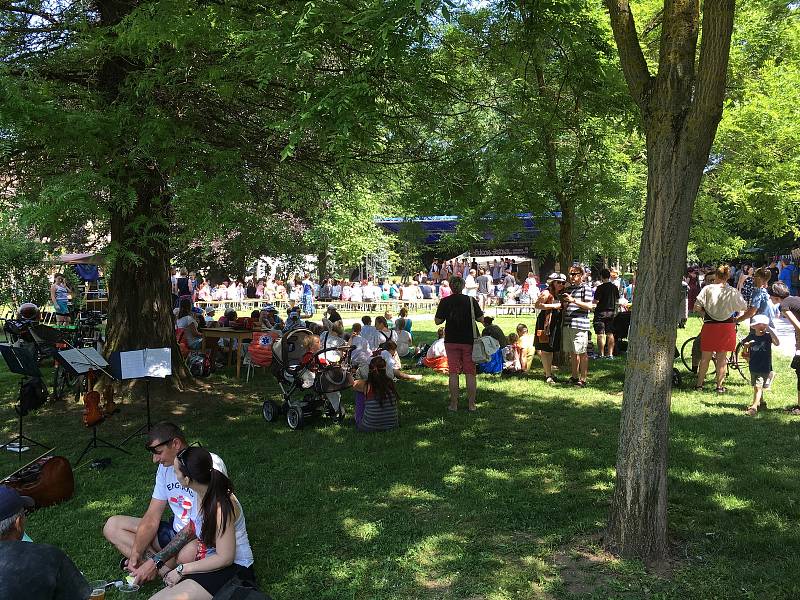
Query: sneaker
[[550, 381]]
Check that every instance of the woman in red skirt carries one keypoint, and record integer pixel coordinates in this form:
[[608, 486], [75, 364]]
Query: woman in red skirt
[[719, 304]]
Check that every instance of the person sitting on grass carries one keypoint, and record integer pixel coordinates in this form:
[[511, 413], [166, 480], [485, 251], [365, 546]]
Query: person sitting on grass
[[369, 333], [30, 570], [139, 539], [222, 547], [759, 347], [490, 329], [376, 399], [525, 344], [361, 353], [384, 333], [404, 341], [436, 356], [403, 314], [512, 353]]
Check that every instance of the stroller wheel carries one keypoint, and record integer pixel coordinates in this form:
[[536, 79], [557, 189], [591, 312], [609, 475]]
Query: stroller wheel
[[270, 411], [677, 380], [294, 418]]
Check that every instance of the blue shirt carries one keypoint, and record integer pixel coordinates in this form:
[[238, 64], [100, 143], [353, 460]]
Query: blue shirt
[[760, 301]]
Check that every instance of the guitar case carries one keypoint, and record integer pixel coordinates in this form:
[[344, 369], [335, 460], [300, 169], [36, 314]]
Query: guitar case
[[47, 480]]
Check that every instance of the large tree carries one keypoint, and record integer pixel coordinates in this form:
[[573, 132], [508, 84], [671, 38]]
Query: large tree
[[164, 122], [680, 106]]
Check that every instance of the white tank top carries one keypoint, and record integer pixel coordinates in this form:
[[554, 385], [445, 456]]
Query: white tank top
[[244, 553]]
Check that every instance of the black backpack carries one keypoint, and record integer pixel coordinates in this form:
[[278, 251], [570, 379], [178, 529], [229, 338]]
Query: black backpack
[[32, 394]]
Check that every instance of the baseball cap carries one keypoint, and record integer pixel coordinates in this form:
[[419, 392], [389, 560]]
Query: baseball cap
[[759, 320], [11, 502]]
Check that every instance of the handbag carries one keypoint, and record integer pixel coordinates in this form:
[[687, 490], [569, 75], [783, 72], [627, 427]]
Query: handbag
[[239, 589], [482, 347]]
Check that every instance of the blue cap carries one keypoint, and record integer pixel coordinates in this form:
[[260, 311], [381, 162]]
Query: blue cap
[[11, 502]]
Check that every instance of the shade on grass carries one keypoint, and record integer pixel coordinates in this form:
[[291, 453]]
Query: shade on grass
[[458, 505]]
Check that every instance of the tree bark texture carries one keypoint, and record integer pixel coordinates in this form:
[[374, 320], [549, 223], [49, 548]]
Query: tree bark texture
[[680, 114]]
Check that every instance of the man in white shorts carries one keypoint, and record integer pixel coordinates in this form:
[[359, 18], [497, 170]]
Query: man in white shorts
[[143, 540], [576, 302]]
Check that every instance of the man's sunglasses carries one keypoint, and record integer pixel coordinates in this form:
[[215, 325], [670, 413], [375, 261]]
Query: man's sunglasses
[[155, 449]]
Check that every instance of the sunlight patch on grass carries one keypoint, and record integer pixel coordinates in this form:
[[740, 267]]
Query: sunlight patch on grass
[[431, 425], [423, 444], [455, 476], [495, 474], [731, 502], [402, 491], [364, 531]]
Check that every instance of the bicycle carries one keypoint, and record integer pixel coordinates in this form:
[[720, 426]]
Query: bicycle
[[690, 357]]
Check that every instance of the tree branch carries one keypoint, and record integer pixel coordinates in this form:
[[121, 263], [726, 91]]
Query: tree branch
[[706, 110], [631, 57], [678, 50], [28, 11]]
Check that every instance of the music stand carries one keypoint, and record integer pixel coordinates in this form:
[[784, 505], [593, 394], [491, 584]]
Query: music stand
[[79, 361], [142, 364], [21, 362]]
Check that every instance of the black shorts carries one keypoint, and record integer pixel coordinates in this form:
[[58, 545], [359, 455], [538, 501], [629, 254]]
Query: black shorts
[[213, 581], [165, 533], [603, 325]]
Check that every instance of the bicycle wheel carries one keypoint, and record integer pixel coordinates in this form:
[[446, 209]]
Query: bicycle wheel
[[739, 363], [690, 356]]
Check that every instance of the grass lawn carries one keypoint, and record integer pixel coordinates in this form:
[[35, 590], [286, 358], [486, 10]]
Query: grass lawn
[[499, 504]]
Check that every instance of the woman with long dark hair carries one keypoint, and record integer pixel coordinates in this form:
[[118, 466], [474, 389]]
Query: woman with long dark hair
[[376, 399], [548, 323], [223, 547]]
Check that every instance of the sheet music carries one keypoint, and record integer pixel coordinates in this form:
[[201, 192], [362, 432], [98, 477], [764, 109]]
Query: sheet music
[[150, 362], [157, 362], [83, 360], [131, 364]]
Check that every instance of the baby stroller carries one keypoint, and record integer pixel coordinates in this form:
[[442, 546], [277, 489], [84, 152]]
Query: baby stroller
[[307, 390]]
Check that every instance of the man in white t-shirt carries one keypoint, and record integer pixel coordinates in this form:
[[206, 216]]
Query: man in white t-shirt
[[143, 540]]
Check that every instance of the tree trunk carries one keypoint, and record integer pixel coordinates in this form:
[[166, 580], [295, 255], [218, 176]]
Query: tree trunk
[[140, 299], [322, 264], [638, 522], [681, 107]]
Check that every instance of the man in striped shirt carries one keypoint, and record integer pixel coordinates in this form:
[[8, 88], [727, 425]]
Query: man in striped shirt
[[576, 302]]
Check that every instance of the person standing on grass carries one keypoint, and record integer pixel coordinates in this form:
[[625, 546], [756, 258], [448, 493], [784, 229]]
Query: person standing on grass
[[484, 282], [758, 345], [790, 310], [759, 303], [139, 539], [59, 296], [459, 313], [606, 300], [576, 303], [718, 303], [548, 323]]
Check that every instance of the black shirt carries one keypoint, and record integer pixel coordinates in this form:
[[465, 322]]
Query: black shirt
[[455, 312], [250, 291], [606, 296], [182, 283], [334, 316], [497, 333], [40, 572]]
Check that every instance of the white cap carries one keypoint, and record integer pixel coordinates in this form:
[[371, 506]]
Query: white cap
[[759, 320]]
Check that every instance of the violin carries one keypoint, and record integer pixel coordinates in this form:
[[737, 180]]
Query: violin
[[92, 415], [109, 406]]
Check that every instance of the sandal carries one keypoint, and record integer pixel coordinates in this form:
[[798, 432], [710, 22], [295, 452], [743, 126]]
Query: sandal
[[721, 389], [750, 411], [581, 383], [550, 381], [794, 411]]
